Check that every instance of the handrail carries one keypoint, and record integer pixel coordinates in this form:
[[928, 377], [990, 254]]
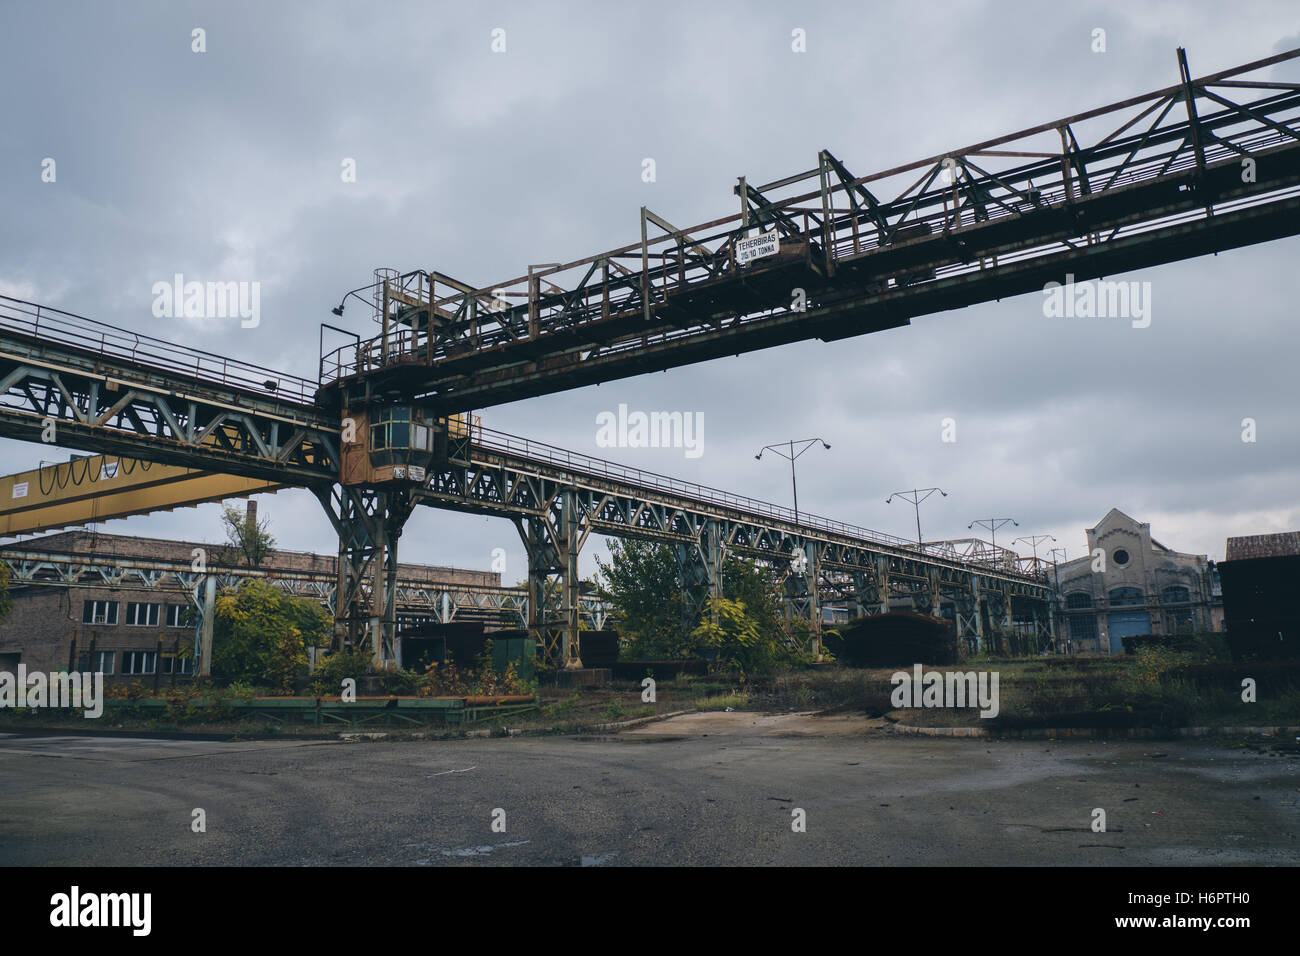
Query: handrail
[[45, 324], [1038, 179], [493, 440]]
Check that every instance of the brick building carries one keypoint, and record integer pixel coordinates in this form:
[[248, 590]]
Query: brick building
[[115, 603], [1129, 584]]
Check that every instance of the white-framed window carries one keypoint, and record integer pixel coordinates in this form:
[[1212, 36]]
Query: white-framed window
[[99, 612], [178, 665], [138, 662], [142, 615], [104, 662], [176, 615]]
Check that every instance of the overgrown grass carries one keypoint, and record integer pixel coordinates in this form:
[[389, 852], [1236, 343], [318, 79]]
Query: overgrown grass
[[736, 701]]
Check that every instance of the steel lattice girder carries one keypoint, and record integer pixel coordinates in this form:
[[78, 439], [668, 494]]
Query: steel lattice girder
[[110, 407], [508, 486], [33, 568], [163, 417], [1147, 180], [512, 487]]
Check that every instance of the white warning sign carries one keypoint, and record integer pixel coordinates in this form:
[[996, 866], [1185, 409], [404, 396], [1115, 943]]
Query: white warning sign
[[757, 247]]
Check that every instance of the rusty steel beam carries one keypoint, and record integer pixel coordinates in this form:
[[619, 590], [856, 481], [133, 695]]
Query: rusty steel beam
[[836, 271]]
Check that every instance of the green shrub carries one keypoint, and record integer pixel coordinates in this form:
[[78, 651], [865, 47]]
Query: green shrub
[[333, 669]]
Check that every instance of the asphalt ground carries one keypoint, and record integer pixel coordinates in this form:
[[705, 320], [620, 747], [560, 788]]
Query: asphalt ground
[[696, 790]]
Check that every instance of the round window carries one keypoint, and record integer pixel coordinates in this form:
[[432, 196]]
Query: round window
[[1120, 556]]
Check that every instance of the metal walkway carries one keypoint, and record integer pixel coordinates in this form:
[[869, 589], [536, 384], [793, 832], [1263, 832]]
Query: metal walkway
[[1202, 166]]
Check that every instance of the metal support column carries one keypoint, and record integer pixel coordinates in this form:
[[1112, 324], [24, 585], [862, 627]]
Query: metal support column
[[970, 623], [926, 601], [368, 524], [802, 597], [699, 568], [553, 544], [207, 607], [882, 584]]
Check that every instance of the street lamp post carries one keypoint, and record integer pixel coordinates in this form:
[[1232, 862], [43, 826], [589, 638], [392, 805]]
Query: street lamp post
[[1056, 575], [1056, 601], [917, 496], [791, 450], [1034, 541], [993, 524]]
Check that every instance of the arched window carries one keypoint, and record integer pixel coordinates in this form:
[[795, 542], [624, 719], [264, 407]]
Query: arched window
[[1078, 599], [1175, 595], [1083, 627], [1120, 597]]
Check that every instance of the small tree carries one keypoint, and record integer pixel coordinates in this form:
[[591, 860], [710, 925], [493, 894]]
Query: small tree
[[641, 580], [288, 661], [248, 541], [255, 629], [733, 638]]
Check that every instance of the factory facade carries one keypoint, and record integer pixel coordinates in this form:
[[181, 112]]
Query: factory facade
[[1130, 585]]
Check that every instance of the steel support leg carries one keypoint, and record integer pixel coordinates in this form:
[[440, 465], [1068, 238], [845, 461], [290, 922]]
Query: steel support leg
[[802, 600], [368, 523], [882, 584], [553, 544], [205, 597], [699, 567]]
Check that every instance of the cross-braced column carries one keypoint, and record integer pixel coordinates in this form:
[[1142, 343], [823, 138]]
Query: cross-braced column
[[970, 624], [1043, 633], [857, 594], [368, 523], [926, 600], [205, 600], [801, 592], [882, 584], [553, 542], [699, 567], [1000, 621]]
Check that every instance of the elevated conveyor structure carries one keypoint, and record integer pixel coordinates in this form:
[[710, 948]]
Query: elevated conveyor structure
[[1201, 166]]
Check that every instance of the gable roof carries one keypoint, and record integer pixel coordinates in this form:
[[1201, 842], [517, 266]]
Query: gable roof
[[1117, 513]]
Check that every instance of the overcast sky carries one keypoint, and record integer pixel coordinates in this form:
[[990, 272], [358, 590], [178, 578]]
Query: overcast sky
[[225, 166]]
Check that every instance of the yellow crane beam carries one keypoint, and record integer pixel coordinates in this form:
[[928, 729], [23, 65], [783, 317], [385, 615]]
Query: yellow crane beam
[[100, 487]]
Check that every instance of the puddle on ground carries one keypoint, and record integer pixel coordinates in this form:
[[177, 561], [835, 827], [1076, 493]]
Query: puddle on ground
[[469, 851]]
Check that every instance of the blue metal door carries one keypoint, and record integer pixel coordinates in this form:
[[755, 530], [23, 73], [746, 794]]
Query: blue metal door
[[1127, 624]]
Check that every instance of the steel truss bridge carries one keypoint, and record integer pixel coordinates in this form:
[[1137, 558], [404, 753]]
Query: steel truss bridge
[[416, 599], [1184, 171], [555, 497], [1202, 166]]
